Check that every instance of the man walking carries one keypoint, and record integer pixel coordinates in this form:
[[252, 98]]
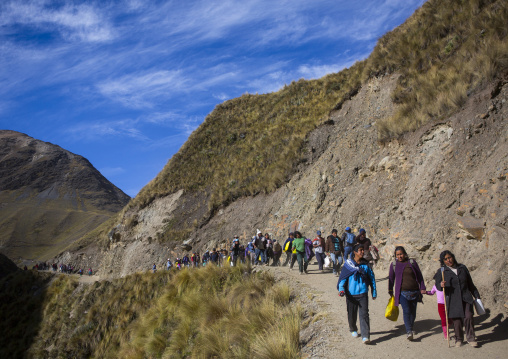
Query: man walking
[[260, 247], [349, 241], [335, 248], [354, 281]]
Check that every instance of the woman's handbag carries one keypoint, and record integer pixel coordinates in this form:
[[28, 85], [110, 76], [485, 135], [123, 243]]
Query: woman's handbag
[[392, 312], [478, 305]]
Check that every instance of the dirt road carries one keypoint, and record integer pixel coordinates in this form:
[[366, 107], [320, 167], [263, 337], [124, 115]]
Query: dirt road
[[330, 337]]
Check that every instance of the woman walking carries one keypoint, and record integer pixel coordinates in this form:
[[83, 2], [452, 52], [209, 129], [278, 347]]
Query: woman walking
[[299, 246], [406, 277], [319, 248], [459, 290]]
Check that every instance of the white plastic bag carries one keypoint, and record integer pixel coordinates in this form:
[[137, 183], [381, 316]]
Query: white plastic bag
[[478, 305], [327, 261]]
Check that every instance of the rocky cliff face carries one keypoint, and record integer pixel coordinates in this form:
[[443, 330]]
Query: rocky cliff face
[[49, 197], [441, 187]]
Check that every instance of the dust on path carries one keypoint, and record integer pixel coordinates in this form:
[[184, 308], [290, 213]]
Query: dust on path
[[388, 339]]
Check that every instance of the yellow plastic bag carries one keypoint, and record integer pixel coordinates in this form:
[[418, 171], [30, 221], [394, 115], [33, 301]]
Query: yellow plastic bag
[[392, 312]]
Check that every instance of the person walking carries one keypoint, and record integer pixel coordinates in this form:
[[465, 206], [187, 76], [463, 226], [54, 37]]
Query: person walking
[[288, 248], [334, 248], [301, 255], [362, 239], [250, 253], [407, 279], [277, 252], [441, 309], [349, 241], [259, 244], [354, 281], [460, 295], [235, 250], [319, 249]]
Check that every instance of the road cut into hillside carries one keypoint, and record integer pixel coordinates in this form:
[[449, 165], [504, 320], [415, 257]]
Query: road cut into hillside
[[325, 331]]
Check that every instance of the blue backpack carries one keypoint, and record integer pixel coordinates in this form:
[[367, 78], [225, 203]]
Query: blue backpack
[[350, 238]]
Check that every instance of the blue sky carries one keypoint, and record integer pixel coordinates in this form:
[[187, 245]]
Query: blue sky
[[124, 83]]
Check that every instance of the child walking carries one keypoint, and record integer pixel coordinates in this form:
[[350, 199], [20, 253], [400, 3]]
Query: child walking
[[440, 308]]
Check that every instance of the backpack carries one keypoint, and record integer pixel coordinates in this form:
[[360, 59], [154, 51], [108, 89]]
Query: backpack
[[350, 238], [277, 248], [336, 244]]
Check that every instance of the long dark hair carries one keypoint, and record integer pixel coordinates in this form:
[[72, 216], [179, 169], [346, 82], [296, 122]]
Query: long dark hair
[[402, 249], [443, 254], [298, 234]]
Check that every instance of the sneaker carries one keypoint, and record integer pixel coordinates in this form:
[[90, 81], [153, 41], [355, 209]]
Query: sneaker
[[366, 341], [354, 334], [301, 273], [458, 343], [473, 344], [410, 336], [306, 272]]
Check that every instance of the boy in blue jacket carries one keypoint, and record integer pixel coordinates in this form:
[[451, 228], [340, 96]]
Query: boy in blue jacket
[[354, 281]]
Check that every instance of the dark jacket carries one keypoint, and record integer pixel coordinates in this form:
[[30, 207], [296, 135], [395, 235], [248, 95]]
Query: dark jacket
[[330, 246], [458, 288], [290, 248], [395, 277]]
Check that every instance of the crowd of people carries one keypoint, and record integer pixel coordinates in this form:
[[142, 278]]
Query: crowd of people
[[352, 258], [62, 268]]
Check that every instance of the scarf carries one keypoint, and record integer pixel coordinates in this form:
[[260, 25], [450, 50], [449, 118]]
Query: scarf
[[351, 268]]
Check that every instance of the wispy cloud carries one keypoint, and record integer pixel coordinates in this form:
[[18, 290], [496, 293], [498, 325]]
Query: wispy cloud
[[90, 131], [72, 22], [112, 171], [141, 90]]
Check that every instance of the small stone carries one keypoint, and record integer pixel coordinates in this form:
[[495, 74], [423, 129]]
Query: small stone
[[484, 115]]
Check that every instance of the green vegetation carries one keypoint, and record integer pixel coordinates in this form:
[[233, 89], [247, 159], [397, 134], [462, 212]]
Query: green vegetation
[[444, 52], [210, 312], [252, 144]]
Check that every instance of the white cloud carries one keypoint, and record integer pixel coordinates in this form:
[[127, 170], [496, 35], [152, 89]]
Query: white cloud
[[112, 171], [73, 22], [143, 90], [91, 131], [221, 96]]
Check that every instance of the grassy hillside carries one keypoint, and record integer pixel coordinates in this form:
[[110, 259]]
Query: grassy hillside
[[254, 143], [49, 197], [250, 144], [211, 312]]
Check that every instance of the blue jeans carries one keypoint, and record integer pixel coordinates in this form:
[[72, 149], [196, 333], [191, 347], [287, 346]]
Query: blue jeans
[[262, 253], [337, 262], [347, 252], [409, 310]]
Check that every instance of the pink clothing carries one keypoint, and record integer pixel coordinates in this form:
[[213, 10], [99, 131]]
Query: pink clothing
[[439, 295]]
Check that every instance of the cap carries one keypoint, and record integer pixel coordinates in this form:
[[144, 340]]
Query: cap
[[362, 230], [348, 228], [318, 233]]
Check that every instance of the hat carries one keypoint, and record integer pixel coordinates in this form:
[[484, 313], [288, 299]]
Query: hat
[[318, 233], [235, 240], [258, 232], [362, 230], [348, 228]]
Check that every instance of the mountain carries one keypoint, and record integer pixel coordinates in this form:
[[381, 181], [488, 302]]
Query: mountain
[[410, 144], [49, 197]]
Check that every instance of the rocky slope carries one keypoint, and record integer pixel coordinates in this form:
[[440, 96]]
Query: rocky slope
[[443, 186], [49, 197]]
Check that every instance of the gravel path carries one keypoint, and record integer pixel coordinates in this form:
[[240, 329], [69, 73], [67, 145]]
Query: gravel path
[[325, 332]]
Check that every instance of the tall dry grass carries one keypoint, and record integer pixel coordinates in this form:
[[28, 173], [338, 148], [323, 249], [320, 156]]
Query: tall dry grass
[[210, 312]]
